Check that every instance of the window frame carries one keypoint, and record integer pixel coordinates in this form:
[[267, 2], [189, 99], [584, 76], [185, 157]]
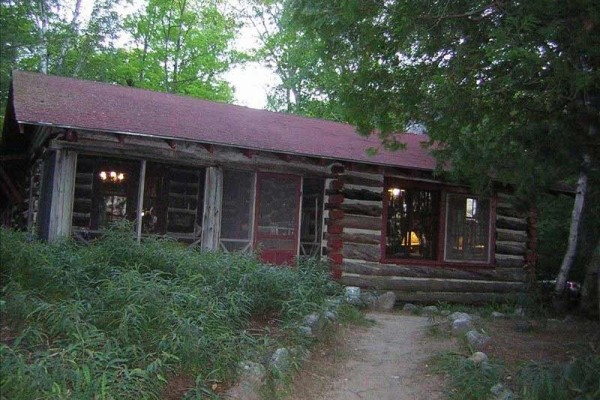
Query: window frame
[[491, 228], [440, 259]]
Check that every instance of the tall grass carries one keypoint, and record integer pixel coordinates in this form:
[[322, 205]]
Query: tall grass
[[579, 379], [114, 319]]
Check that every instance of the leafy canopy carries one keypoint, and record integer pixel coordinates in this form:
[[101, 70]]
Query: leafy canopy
[[507, 89]]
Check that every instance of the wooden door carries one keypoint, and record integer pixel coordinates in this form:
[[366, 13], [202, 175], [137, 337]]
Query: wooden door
[[276, 224]]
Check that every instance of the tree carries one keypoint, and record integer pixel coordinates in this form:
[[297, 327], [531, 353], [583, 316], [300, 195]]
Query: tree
[[294, 57], [183, 46], [55, 37], [508, 90]]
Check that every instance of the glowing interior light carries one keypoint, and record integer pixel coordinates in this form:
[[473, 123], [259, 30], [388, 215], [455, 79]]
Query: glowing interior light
[[395, 192], [103, 175], [121, 176], [113, 175]]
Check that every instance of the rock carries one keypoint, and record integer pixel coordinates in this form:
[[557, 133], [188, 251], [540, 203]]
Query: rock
[[330, 315], [315, 322], [368, 299], [252, 379], [445, 313], [352, 295], [411, 308], [496, 314], [430, 310], [385, 302], [306, 331], [569, 319], [281, 360], [501, 393], [477, 339], [461, 325], [459, 315], [497, 389], [478, 357]]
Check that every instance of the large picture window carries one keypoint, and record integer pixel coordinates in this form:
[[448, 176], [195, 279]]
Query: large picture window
[[412, 223], [467, 228]]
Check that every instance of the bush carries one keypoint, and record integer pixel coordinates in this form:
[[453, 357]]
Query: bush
[[114, 319]]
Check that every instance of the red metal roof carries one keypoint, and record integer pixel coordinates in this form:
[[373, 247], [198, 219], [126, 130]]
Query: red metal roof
[[73, 103]]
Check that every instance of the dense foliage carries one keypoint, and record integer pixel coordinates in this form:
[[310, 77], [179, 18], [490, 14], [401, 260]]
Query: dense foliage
[[115, 319], [181, 46], [509, 90]]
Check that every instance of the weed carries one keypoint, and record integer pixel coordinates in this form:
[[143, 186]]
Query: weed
[[116, 318], [579, 379], [467, 380]]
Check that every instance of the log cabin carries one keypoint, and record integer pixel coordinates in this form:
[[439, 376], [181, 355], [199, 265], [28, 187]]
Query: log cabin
[[79, 155]]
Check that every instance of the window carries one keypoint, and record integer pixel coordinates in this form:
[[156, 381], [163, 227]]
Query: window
[[105, 192], [412, 222], [467, 228]]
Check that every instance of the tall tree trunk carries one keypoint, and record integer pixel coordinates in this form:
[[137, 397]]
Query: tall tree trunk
[[44, 56], [74, 26], [570, 254]]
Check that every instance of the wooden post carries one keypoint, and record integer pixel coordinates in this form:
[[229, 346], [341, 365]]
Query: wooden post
[[140, 201], [213, 202], [60, 188]]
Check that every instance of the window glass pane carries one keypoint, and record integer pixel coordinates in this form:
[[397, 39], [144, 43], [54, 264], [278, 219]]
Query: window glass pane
[[412, 223], [467, 228]]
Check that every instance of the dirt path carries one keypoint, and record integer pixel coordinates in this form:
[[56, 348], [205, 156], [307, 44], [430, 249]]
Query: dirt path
[[385, 362]]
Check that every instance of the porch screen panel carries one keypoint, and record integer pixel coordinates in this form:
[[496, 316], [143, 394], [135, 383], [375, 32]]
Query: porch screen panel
[[312, 217], [467, 228], [277, 217], [412, 223], [236, 216], [185, 199], [105, 192]]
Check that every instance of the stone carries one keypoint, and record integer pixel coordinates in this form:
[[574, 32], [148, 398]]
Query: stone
[[385, 302], [281, 360], [478, 357], [330, 315], [461, 325], [315, 322], [459, 315], [352, 295], [368, 299], [445, 313], [497, 389], [411, 308], [496, 314], [477, 339], [430, 310], [501, 393], [306, 331], [252, 379]]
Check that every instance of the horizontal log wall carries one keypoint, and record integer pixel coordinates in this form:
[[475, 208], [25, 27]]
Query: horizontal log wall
[[361, 237]]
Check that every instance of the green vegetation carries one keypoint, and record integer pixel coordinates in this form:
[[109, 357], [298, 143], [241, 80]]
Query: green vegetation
[[579, 379], [467, 380], [116, 319]]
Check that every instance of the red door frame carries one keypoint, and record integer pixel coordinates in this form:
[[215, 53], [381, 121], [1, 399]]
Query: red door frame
[[274, 256]]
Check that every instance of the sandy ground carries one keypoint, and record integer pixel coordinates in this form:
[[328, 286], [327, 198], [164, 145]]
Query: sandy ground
[[383, 362]]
